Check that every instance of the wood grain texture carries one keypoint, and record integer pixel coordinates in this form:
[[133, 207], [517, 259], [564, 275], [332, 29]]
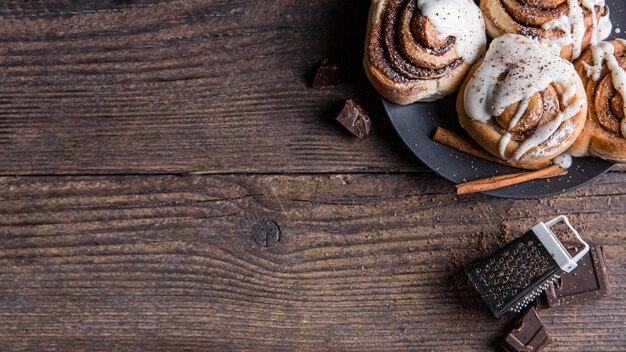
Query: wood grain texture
[[366, 262], [214, 86]]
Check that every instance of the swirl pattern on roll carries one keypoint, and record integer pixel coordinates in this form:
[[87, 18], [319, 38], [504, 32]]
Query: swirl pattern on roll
[[566, 27], [603, 72], [414, 50], [522, 103]]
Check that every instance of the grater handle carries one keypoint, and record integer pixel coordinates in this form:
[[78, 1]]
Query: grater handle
[[578, 237], [555, 247]]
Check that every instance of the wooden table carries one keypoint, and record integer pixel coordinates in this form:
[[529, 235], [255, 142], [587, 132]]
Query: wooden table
[[140, 143]]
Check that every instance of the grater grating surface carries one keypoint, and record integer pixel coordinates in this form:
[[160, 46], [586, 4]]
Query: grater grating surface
[[514, 275]]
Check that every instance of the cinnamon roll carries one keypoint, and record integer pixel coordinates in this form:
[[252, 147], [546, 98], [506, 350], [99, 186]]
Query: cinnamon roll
[[522, 103], [566, 27], [420, 50], [602, 69]]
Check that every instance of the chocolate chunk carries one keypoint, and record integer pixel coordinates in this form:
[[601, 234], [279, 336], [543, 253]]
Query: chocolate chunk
[[327, 75], [528, 335], [355, 120], [587, 282]]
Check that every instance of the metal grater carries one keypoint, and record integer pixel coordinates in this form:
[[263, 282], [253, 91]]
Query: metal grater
[[517, 273]]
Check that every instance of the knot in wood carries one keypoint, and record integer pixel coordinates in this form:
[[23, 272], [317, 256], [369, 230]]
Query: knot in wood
[[266, 233]]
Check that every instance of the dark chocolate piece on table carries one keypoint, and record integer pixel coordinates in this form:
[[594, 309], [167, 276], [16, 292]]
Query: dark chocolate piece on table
[[529, 334], [328, 74], [355, 120], [587, 282]]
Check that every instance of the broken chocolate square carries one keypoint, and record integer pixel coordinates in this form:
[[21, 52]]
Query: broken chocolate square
[[587, 282], [328, 74], [355, 120], [528, 335]]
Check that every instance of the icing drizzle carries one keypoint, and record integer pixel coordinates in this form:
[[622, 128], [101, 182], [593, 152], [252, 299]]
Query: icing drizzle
[[516, 68], [461, 19], [602, 53], [563, 160], [573, 25]]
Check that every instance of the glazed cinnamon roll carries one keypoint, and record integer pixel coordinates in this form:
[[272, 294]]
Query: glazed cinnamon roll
[[420, 50], [566, 27], [602, 69], [522, 103]]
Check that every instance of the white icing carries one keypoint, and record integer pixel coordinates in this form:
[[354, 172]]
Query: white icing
[[504, 142], [529, 69], [523, 105], [599, 52], [563, 160], [554, 142], [602, 53], [461, 19], [545, 131], [601, 28], [573, 26]]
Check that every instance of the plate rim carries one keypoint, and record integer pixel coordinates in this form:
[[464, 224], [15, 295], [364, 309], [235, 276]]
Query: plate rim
[[494, 193]]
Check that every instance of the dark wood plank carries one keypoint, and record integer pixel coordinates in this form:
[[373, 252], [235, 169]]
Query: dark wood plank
[[56, 8], [214, 86], [366, 262]]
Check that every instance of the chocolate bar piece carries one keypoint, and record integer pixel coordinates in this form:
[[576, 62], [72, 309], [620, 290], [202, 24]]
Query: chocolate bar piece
[[355, 120], [327, 75], [587, 282], [529, 334]]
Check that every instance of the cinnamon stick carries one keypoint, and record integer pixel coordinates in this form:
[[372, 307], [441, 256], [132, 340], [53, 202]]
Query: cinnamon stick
[[467, 146], [495, 182]]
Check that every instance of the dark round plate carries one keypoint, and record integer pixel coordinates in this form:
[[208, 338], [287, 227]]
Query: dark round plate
[[416, 125]]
